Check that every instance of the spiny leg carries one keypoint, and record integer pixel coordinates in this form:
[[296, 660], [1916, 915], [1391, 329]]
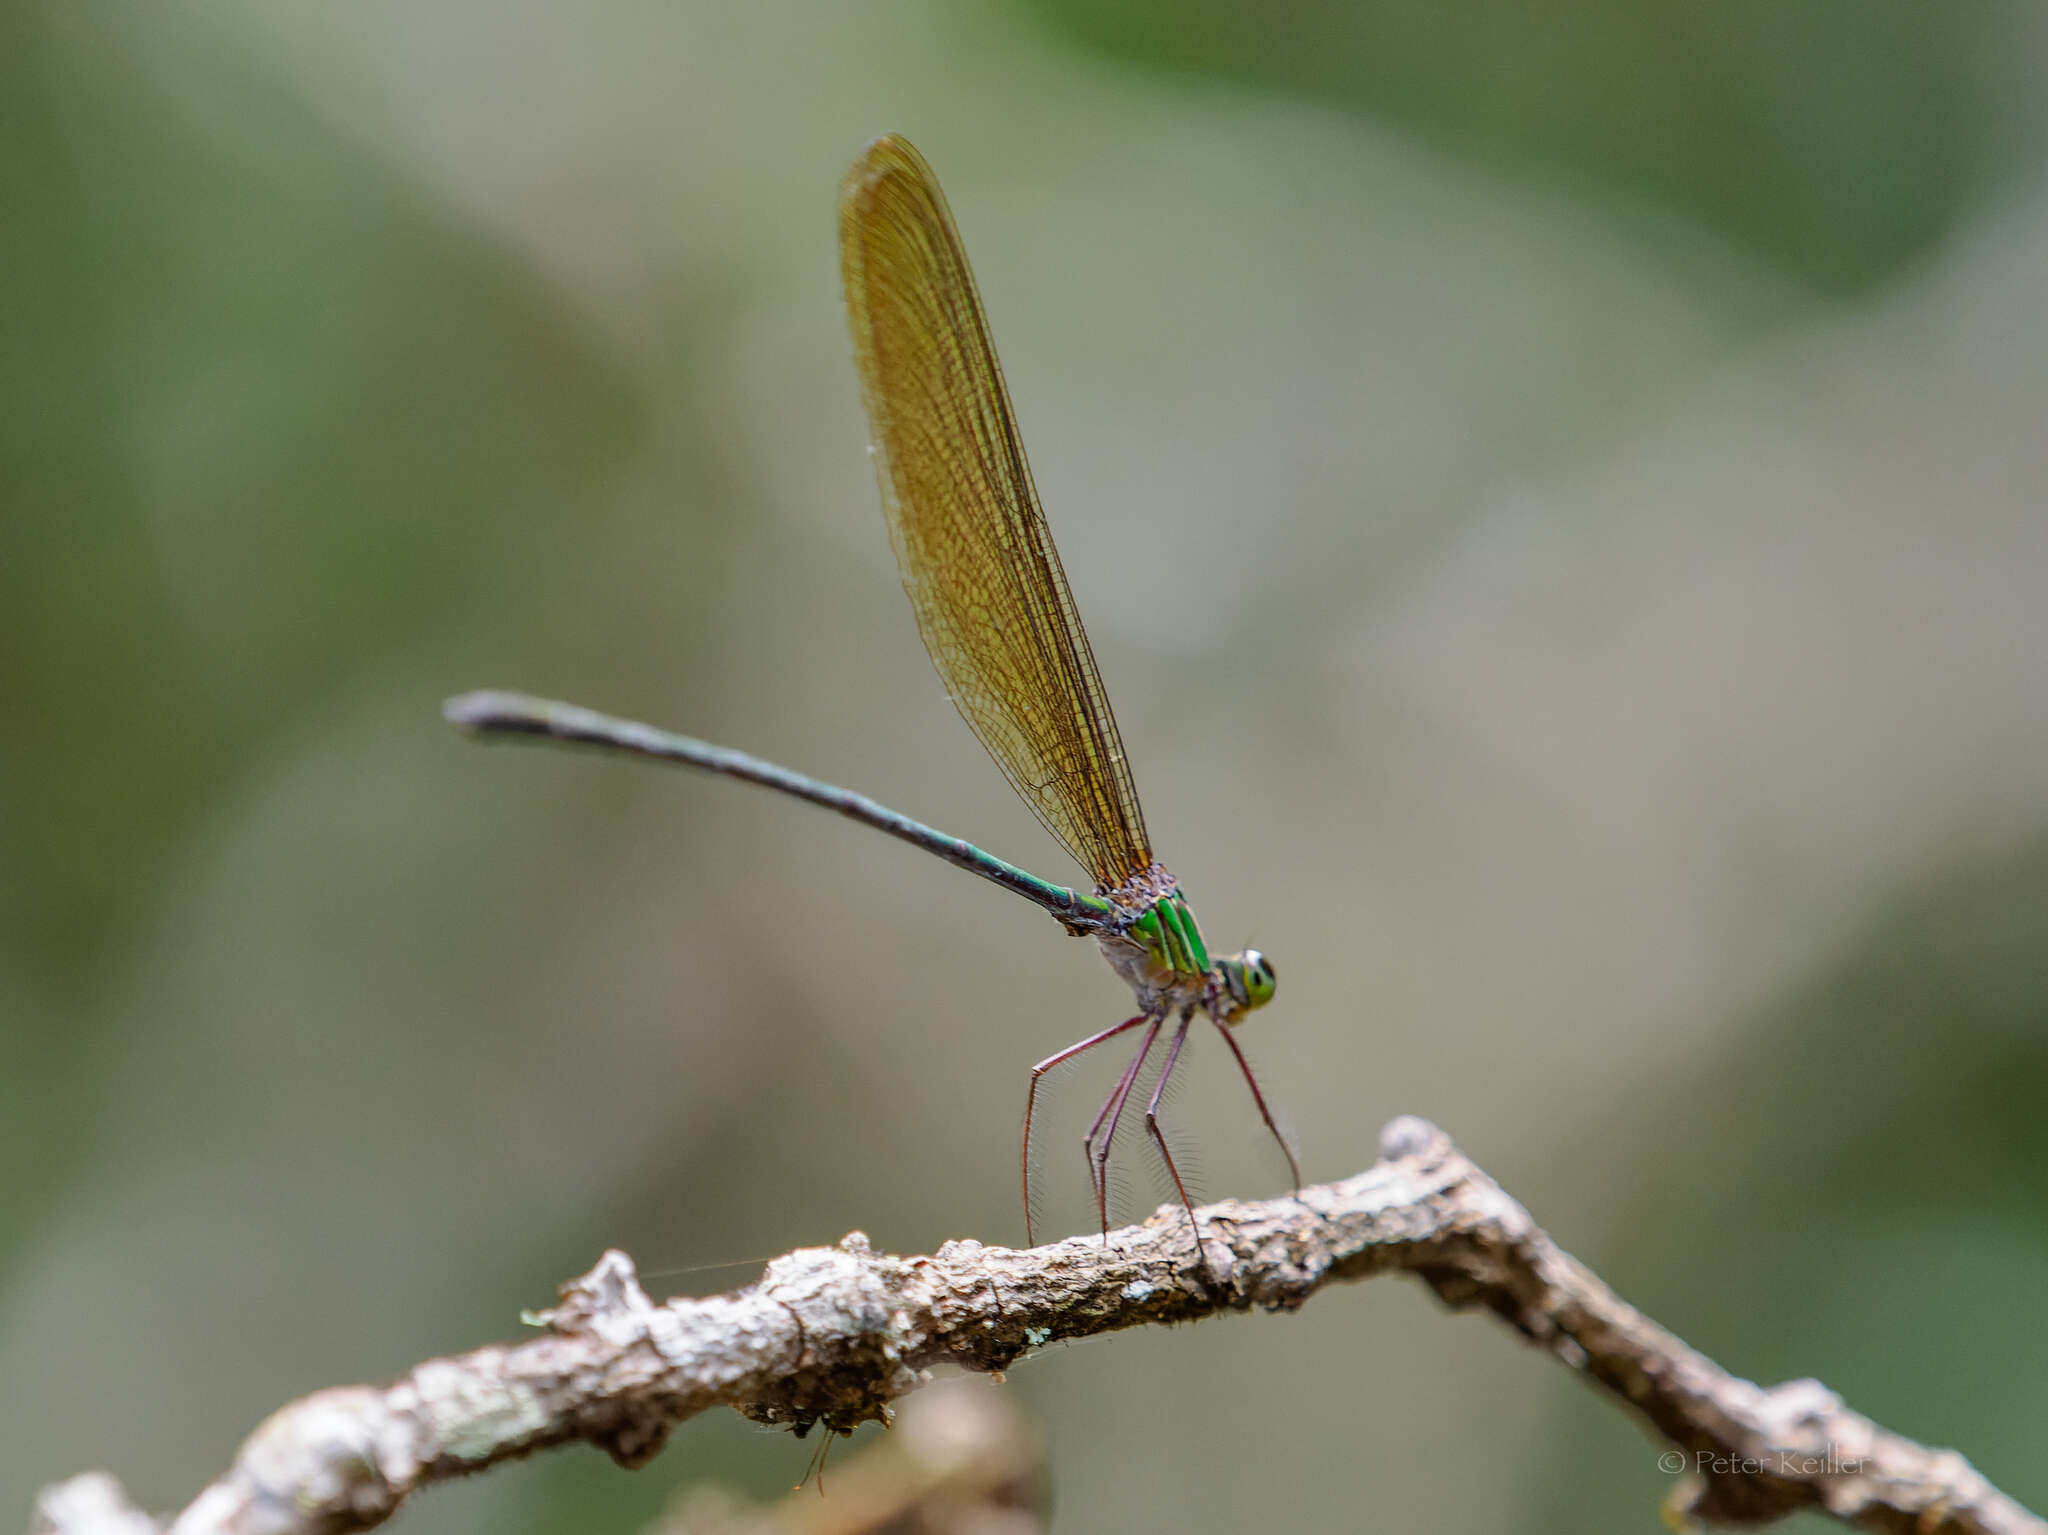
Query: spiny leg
[[1112, 1111], [1259, 1098], [1180, 1037], [1031, 1102]]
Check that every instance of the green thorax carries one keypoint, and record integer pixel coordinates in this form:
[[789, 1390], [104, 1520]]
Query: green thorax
[[1170, 931], [1154, 942], [1148, 910]]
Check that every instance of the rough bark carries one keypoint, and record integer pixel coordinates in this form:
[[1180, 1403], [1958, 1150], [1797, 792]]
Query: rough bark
[[830, 1336]]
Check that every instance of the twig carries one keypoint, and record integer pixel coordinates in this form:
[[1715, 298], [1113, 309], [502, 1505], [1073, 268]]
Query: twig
[[831, 1335]]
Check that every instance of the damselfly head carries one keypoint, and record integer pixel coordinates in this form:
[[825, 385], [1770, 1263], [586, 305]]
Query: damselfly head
[[1249, 979]]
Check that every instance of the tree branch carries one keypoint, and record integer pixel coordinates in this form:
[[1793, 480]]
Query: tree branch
[[830, 1336]]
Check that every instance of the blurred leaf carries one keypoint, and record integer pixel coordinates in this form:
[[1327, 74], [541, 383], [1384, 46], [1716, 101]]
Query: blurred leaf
[[260, 393], [1839, 138], [1860, 1193]]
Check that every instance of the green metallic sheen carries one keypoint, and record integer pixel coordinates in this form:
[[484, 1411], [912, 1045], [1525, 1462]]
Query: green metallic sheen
[[1162, 936], [1180, 953], [1198, 951], [1170, 931]]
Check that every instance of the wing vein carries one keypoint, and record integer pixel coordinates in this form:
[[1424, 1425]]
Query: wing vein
[[978, 562]]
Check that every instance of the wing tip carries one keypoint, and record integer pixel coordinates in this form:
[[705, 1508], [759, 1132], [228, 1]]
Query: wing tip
[[884, 156]]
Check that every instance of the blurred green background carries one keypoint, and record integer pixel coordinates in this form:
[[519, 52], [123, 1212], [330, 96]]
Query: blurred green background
[[1557, 491]]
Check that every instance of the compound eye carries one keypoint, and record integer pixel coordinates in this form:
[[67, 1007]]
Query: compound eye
[[1259, 979]]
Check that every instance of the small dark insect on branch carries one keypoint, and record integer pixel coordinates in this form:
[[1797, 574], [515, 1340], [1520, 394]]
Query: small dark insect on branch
[[830, 1336]]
